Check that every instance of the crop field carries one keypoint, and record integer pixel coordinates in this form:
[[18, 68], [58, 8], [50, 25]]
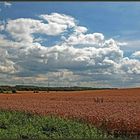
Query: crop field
[[116, 112]]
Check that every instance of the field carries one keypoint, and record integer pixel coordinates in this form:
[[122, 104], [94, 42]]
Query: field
[[116, 112]]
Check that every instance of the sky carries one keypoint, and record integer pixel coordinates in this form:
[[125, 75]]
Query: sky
[[93, 44]]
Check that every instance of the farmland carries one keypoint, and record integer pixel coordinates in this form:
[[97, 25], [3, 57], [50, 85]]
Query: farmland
[[113, 111]]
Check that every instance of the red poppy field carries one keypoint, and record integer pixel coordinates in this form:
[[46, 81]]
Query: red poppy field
[[115, 111]]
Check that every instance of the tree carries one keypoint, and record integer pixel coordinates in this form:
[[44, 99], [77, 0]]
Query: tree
[[13, 90]]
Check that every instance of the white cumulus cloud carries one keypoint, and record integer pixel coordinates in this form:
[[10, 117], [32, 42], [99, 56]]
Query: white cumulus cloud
[[78, 57], [136, 55], [60, 19]]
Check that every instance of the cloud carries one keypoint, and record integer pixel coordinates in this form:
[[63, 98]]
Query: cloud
[[86, 39], [136, 55], [22, 29], [60, 19], [6, 65], [132, 45], [79, 57], [80, 29], [7, 4], [130, 66], [122, 43], [1, 27]]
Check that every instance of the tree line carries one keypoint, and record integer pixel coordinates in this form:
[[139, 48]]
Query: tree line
[[39, 88]]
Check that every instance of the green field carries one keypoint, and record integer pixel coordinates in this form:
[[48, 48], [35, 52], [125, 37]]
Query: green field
[[19, 125]]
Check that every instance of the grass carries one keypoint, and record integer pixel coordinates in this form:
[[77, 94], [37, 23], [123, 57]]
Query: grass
[[19, 125]]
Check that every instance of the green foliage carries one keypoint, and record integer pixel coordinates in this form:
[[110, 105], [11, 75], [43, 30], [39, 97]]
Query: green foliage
[[13, 90], [1, 91], [19, 125]]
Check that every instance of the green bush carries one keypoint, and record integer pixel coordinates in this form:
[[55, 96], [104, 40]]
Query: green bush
[[1, 91], [13, 91]]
